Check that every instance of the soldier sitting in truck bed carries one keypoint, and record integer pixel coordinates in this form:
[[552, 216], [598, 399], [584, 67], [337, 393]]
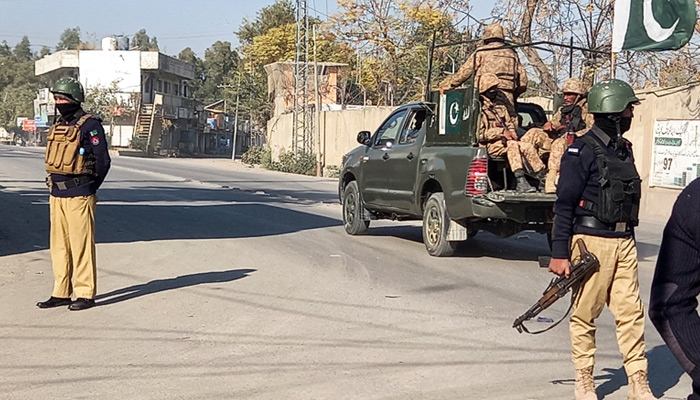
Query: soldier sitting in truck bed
[[497, 131]]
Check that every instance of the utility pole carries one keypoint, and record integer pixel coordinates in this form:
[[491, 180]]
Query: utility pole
[[235, 120], [301, 124], [317, 117]]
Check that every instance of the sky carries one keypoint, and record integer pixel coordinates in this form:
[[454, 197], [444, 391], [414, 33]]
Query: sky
[[176, 24]]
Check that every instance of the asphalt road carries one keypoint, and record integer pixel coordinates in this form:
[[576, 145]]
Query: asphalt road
[[219, 281]]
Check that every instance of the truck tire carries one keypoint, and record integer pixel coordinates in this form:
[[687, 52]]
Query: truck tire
[[352, 210], [435, 226]]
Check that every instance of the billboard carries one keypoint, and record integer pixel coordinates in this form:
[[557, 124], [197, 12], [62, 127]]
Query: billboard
[[675, 153], [102, 68]]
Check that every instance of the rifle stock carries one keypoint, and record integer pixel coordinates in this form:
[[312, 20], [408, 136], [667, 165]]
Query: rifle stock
[[560, 286]]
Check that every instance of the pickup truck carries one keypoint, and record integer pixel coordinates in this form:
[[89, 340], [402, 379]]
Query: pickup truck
[[424, 162]]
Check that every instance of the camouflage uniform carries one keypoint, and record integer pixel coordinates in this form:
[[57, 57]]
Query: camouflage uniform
[[494, 115], [496, 58], [555, 141]]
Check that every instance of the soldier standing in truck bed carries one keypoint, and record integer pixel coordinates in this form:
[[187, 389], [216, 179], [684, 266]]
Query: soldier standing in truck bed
[[495, 57], [497, 131]]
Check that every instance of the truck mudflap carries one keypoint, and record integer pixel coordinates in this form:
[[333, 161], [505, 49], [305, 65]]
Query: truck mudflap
[[529, 208]]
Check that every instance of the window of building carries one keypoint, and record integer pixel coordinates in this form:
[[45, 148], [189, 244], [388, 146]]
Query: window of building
[[177, 89], [159, 86], [167, 87]]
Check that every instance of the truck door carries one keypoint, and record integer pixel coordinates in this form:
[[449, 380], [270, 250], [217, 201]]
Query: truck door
[[403, 161], [375, 174]]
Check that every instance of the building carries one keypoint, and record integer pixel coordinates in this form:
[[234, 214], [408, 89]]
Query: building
[[280, 85], [153, 105]]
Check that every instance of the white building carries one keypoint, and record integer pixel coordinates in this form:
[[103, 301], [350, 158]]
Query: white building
[[152, 91]]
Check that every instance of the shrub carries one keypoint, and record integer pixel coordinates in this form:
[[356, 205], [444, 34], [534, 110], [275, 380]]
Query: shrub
[[332, 171], [257, 155]]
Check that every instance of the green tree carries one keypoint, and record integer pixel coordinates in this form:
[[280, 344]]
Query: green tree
[[141, 41], [188, 55], [102, 101], [70, 39], [22, 50], [220, 62], [45, 51], [278, 14], [5, 49]]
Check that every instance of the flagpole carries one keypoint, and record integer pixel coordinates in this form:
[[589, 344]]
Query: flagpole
[[613, 56]]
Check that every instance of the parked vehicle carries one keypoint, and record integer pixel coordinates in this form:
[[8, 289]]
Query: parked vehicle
[[424, 162]]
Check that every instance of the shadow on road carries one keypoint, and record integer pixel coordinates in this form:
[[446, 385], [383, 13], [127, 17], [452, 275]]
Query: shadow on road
[[156, 213], [524, 246], [161, 285], [664, 373]]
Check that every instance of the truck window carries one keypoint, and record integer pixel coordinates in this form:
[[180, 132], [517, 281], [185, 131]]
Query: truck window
[[416, 125], [389, 131]]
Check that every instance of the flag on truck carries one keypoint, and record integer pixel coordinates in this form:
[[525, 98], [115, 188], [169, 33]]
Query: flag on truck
[[653, 24]]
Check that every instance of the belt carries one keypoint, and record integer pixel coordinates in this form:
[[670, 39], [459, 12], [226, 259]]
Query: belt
[[595, 223], [71, 183]]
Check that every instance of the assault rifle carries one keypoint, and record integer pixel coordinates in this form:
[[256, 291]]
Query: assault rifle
[[560, 286]]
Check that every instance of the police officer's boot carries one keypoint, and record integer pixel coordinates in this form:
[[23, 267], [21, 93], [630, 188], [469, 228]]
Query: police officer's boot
[[550, 182], [584, 386], [639, 387], [522, 185]]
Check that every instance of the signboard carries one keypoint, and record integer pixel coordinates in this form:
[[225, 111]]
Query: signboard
[[28, 125], [675, 153]]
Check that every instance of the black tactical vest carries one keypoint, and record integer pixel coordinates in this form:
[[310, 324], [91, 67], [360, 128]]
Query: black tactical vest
[[619, 183], [571, 118]]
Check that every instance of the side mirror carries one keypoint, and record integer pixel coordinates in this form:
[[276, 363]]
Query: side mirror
[[363, 137]]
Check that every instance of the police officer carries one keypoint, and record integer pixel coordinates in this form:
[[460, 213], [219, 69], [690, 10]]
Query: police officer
[[673, 303], [77, 162], [497, 131], [598, 201], [572, 119], [496, 58]]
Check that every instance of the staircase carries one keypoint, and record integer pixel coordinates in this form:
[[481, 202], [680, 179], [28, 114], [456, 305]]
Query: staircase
[[144, 122], [148, 124]]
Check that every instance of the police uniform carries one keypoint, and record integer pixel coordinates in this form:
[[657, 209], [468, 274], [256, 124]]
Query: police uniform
[[77, 160], [598, 201]]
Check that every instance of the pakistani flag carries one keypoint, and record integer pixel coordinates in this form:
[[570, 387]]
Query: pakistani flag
[[653, 24]]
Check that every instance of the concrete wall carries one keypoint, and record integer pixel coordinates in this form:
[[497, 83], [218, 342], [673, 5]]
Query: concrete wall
[[338, 132], [681, 103]]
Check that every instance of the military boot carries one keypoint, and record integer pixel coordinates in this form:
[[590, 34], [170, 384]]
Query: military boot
[[541, 177], [584, 387], [639, 387], [522, 185], [550, 182]]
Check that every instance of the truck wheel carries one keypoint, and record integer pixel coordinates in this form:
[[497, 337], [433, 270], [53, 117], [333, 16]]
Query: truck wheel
[[435, 225], [352, 210]]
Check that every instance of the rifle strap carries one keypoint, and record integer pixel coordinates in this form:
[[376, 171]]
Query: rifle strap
[[574, 294], [554, 324]]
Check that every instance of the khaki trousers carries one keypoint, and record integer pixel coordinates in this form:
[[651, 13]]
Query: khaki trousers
[[73, 246], [615, 283], [538, 138]]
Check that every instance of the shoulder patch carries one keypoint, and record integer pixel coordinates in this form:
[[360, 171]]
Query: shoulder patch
[[94, 132], [95, 140], [574, 151]]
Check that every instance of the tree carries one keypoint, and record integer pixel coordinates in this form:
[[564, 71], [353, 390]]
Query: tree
[[141, 41], [45, 51], [276, 15], [70, 39], [392, 38], [220, 61], [102, 101], [189, 56], [22, 50]]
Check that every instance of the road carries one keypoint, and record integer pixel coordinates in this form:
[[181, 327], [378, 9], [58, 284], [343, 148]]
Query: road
[[219, 281]]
